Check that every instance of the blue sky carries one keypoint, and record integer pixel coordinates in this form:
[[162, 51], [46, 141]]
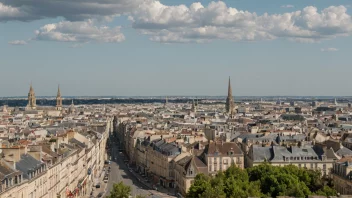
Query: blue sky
[[178, 53]]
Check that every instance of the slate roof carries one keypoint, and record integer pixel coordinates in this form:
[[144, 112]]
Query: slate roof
[[279, 153], [6, 170], [344, 152], [27, 164], [294, 138], [165, 148], [76, 142], [262, 153]]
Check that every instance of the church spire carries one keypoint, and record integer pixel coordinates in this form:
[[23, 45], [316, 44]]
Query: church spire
[[58, 99], [230, 104], [58, 91], [229, 89], [31, 89]]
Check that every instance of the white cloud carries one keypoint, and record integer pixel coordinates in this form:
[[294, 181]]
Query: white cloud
[[18, 42], [180, 23], [331, 49], [217, 21], [9, 13], [79, 32], [287, 6]]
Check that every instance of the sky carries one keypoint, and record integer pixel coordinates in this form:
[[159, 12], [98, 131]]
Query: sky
[[175, 47]]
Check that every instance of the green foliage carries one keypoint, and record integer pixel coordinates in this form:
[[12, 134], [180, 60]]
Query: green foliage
[[326, 191], [120, 190], [233, 183], [264, 180]]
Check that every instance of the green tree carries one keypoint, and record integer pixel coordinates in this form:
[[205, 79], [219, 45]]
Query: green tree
[[326, 191], [201, 183], [237, 184], [120, 190], [264, 180]]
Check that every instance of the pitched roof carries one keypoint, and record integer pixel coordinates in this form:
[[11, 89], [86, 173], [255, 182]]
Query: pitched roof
[[223, 148], [27, 164]]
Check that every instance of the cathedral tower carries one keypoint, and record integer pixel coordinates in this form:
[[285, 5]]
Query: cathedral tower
[[230, 103], [58, 99], [32, 102]]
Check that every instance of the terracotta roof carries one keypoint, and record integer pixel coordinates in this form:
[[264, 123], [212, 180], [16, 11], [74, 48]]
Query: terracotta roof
[[345, 159]]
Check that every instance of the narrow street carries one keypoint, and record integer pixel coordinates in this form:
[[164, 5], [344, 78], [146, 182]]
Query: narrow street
[[120, 172]]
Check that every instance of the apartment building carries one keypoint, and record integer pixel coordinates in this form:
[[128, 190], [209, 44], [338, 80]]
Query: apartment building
[[65, 166], [342, 176], [219, 156]]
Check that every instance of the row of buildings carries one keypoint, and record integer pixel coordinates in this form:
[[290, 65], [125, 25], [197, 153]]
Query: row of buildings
[[171, 143], [52, 152]]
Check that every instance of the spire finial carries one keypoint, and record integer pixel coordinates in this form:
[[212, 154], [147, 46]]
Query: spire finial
[[229, 100], [58, 90], [229, 91], [31, 87]]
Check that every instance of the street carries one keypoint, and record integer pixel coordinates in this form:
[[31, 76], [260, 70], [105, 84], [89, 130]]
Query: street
[[119, 172]]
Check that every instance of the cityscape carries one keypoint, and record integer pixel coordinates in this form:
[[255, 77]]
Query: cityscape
[[175, 99], [164, 149]]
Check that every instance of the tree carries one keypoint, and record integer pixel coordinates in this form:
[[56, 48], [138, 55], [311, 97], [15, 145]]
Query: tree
[[326, 191], [264, 180], [120, 190], [201, 183]]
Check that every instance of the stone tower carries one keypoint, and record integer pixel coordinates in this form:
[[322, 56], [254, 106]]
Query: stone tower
[[166, 102], [194, 107], [32, 102], [58, 99], [230, 103]]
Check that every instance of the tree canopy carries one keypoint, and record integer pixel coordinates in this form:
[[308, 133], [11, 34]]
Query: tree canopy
[[264, 180], [120, 190]]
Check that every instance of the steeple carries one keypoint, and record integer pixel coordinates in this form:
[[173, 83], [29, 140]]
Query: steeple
[[58, 99], [32, 102], [31, 89], [58, 91], [229, 89], [194, 108], [230, 103], [166, 101]]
